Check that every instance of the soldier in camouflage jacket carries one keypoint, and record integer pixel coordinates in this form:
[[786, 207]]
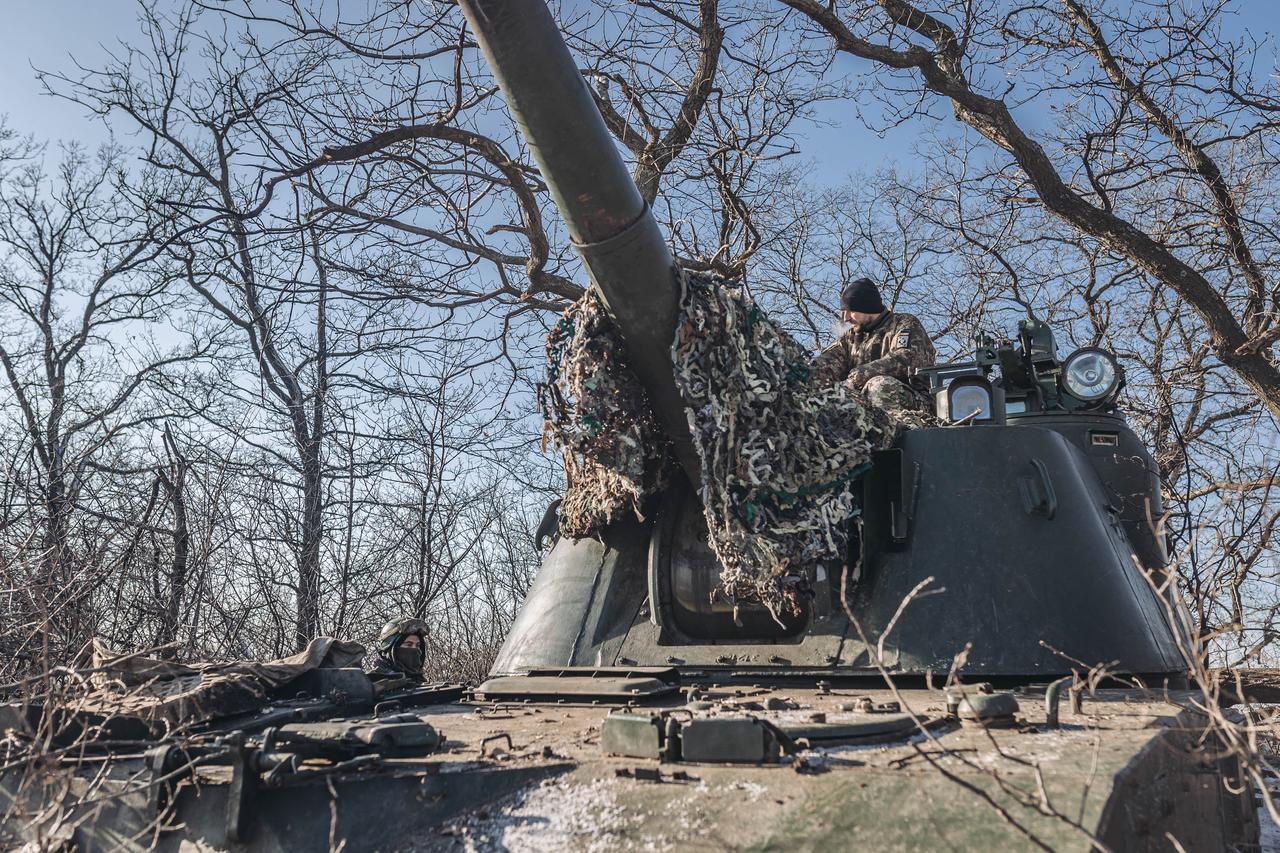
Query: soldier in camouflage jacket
[[878, 355]]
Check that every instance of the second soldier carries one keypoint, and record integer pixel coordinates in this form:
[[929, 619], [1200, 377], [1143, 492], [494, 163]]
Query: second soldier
[[879, 353]]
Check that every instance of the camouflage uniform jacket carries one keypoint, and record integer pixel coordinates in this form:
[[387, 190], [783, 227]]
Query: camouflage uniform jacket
[[894, 346]]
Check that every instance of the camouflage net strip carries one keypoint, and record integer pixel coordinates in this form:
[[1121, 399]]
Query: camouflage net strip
[[598, 415], [780, 456]]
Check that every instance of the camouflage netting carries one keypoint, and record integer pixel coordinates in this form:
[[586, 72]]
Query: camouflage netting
[[779, 455], [598, 415]]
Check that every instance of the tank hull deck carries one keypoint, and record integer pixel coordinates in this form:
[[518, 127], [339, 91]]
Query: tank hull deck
[[1129, 769]]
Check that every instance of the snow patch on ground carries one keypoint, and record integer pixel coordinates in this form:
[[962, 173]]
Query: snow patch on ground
[[559, 815], [1044, 748], [552, 817], [753, 790], [851, 748]]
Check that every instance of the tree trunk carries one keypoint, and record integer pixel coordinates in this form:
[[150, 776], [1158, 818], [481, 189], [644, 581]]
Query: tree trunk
[[311, 442], [176, 486], [309, 559]]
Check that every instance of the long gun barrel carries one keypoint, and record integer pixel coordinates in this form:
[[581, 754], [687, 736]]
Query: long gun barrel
[[611, 226]]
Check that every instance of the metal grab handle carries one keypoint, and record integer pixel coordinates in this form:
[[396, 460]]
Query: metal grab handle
[[1053, 694]]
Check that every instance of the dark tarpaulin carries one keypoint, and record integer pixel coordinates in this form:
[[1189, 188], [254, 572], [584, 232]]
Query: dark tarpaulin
[[167, 695]]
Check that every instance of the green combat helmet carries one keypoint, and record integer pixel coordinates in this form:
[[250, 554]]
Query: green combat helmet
[[394, 656]]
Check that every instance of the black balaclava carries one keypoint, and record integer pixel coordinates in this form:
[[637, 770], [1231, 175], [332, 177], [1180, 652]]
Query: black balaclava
[[862, 296], [410, 660]]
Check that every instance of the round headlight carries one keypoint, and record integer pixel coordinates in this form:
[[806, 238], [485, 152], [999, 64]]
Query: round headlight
[[1091, 374]]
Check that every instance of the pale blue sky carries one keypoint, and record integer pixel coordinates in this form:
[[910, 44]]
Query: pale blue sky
[[48, 33]]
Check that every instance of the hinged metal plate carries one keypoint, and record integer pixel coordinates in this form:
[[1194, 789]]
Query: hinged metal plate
[[579, 688], [741, 740], [400, 736]]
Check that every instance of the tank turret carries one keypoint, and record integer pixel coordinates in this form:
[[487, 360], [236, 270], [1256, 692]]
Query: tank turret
[[1027, 522], [1026, 515]]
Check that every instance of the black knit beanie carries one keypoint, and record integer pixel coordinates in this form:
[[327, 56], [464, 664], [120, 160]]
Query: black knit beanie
[[862, 296]]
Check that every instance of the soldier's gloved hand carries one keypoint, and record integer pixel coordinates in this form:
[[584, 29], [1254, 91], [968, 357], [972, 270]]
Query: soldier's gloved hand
[[856, 379]]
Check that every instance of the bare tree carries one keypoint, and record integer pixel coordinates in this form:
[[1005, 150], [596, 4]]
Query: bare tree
[[366, 169], [363, 224], [1151, 103], [81, 292]]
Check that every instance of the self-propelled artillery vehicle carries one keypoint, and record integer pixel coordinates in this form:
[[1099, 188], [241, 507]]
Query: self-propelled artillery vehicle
[[1008, 671]]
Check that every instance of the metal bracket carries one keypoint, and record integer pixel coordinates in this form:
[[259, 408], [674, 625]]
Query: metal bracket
[[903, 509], [160, 763], [484, 744], [1037, 493], [244, 785]]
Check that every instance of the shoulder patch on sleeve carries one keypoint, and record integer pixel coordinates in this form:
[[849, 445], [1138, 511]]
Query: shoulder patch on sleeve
[[903, 340]]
